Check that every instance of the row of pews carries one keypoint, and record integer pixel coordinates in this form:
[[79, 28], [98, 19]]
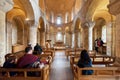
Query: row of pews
[[103, 66], [22, 74]]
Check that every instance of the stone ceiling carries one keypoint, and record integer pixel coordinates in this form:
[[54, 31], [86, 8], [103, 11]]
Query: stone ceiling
[[60, 8]]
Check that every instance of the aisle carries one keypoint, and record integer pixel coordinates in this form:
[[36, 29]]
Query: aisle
[[60, 69]]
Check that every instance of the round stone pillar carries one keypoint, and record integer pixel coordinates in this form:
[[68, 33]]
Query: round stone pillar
[[114, 9], [33, 35], [90, 33], [85, 38], [5, 6]]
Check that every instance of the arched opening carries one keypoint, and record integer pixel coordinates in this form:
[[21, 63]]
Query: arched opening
[[17, 32], [99, 31]]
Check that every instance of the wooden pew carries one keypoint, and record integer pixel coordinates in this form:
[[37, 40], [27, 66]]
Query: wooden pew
[[22, 73], [50, 52], [96, 60], [73, 51], [100, 73], [47, 57]]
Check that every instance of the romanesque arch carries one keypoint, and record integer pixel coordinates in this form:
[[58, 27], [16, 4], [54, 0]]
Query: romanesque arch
[[103, 28]]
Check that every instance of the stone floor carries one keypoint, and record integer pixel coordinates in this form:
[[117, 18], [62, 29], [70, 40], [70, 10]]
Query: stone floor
[[60, 69]]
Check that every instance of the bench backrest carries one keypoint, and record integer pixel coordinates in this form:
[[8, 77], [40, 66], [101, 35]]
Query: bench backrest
[[100, 73], [51, 52], [21, 74], [96, 60]]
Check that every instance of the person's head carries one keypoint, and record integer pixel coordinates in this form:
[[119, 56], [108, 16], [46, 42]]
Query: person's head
[[28, 50], [84, 56], [37, 44]]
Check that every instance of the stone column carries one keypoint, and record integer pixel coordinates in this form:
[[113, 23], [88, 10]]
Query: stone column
[[114, 8], [117, 34], [42, 39], [109, 39], [9, 37], [113, 37], [90, 33], [5, 6], [72, 35], [85, 37], [47, 33], [76, 39], [33, 35]]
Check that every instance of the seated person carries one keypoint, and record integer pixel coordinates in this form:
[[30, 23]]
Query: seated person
[[85, 61], [37, 49], [10, 62], [28, 59]]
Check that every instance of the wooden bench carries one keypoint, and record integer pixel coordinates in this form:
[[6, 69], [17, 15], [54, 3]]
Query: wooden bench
[[70, 52], [22, 73], [50, 52], [100, 73], [43, 57], [96, 60]]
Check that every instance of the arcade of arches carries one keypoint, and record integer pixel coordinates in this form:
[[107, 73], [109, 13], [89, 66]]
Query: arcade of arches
[[73, 23]]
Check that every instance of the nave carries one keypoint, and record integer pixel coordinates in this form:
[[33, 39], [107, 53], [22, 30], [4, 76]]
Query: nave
[[71, 25], [60, 69]]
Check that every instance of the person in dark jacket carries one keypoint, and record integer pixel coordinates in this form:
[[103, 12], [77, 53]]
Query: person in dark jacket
[[10, 62], [37, 49], [85, 61]]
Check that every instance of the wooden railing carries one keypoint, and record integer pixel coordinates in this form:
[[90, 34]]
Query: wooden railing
[[21, 74], [100, 73]]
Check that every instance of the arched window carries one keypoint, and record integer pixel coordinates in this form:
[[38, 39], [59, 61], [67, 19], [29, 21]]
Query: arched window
[[59, 36], [59, 20]]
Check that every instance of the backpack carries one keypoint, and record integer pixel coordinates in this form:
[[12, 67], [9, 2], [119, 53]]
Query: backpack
[[99, 43]]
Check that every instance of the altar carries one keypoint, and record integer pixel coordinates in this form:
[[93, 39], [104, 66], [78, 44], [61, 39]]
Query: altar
[[59, 45]]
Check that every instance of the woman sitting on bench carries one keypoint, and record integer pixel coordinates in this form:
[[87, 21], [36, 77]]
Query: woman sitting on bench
[[85, 61]]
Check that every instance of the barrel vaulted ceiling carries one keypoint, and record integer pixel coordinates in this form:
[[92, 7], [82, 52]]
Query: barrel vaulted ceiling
[[66, 10]]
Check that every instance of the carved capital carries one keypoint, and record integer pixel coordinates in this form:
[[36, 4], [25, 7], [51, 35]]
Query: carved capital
[[6, 5], [114, 7]]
